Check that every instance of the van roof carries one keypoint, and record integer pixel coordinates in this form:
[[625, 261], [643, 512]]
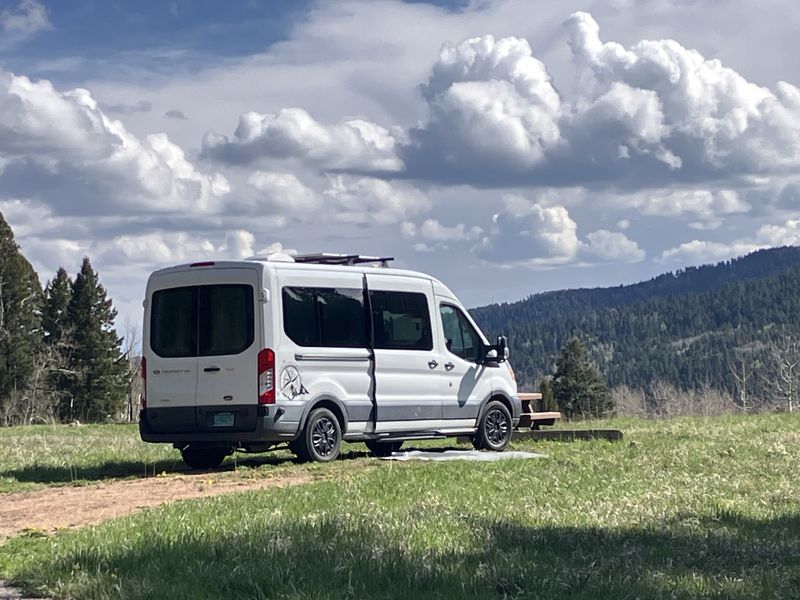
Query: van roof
[[281, 265]]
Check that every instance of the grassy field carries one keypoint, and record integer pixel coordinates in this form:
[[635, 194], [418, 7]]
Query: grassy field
[[688, 508], [42, 456]]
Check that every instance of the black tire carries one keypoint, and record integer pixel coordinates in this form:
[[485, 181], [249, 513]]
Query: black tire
[[203, 457], [383, 448], [494, 428], [321, 439]]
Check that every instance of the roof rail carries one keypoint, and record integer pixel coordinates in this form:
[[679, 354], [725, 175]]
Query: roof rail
[[326, 258]]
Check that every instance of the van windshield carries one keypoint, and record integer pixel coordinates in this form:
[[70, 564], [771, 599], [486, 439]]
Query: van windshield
[[206, 320]]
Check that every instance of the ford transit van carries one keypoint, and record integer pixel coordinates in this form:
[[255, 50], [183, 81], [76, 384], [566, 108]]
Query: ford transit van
[[307, 351]]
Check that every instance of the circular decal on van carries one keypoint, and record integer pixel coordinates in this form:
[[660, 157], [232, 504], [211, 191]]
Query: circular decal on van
[[292, 383]]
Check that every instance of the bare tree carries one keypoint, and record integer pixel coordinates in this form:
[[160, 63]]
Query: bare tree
[[783, 383], [131, 348], [741, 376]]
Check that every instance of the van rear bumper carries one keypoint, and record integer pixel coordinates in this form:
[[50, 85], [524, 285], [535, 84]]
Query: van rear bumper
[[195, 424]]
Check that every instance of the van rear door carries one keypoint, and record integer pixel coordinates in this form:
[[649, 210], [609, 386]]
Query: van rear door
[[204, 337], [228, 340], [170, 333]]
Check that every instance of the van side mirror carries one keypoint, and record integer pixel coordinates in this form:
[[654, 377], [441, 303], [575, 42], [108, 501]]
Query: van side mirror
[[502, 348], [498, 352]]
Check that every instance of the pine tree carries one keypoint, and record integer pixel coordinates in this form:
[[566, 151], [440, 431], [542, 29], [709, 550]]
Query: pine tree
[[57, 293], [58, 339], [578, 387], [548, 397], [20, 324], [97, 384]]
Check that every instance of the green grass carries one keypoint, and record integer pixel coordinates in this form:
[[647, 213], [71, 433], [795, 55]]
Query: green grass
[[689, 508], [38, 456], [35, 456]]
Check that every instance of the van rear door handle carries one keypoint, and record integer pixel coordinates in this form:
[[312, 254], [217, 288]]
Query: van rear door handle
[[433, 364], [211, 369], [449, 366]]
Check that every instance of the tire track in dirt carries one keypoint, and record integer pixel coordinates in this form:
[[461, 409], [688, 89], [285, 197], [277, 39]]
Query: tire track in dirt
[[69, 507]]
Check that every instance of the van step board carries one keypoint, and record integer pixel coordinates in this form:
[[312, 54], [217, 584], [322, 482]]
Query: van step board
[[433, 435]]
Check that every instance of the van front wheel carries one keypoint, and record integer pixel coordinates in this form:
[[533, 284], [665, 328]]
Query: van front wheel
[[494, 429], [322, 437], [203, 457]]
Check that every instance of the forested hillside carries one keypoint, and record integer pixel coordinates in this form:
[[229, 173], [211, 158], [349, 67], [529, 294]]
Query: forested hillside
[[690, 328]]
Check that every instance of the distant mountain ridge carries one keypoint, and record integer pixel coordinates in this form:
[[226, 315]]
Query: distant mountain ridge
[[684, 327]]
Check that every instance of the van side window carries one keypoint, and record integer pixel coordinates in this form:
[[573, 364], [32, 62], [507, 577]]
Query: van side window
[[401, 321], [325, 317], [460, 336]]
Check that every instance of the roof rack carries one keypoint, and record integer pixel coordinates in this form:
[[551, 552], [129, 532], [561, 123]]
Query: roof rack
[[326, 258]]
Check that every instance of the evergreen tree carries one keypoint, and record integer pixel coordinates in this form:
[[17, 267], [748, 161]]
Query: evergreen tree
[[54, 316], [548, 397], [97, 383], [20, 321], [578, 387], [58, 340]]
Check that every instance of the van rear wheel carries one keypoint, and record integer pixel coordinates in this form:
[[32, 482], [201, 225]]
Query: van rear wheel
[[322, 437], [383, 448], [494, 429], [203, 457]]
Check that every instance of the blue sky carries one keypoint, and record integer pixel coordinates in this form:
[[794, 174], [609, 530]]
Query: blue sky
[[505, 146]]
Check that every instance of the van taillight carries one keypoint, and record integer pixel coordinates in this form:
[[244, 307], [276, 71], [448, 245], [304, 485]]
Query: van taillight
[[144, 382], [266, 377]]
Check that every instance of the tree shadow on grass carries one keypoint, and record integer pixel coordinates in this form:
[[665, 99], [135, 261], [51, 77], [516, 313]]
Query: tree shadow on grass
[[115, 469], [118, 469], [726, 556]]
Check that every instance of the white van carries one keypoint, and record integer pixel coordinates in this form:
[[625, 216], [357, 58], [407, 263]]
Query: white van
[[311, 350]]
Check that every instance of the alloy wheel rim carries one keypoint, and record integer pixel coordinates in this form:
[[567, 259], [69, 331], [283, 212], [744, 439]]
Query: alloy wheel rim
[[323, 436], [497, 427]]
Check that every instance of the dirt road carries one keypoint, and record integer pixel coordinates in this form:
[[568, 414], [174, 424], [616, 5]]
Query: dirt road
[[66, 507]]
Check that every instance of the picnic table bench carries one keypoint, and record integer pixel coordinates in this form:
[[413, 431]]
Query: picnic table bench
[[533, 417]]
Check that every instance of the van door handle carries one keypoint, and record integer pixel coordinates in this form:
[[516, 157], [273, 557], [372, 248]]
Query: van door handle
[[211, 369], [449, 366], [433, 364]]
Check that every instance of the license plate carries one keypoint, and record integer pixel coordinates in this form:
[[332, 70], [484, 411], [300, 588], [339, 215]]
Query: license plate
[[223, 419]]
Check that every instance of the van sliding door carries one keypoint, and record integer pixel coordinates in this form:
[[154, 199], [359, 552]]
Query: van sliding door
[[408, 364]]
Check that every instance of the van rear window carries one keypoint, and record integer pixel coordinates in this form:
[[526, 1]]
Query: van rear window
[[173, 323], [206, 320]]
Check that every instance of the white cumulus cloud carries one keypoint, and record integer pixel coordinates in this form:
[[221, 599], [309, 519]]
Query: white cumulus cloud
[[286, 192], [701, 251], [354, 144], [60, 148], [539, 235], [370, 200]]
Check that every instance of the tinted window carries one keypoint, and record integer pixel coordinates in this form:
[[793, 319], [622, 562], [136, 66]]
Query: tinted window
[[172, 323], [225, 319], [207, 320], [326, 317], [401, 321], [300, 320], [461, 338], [452, 330]]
